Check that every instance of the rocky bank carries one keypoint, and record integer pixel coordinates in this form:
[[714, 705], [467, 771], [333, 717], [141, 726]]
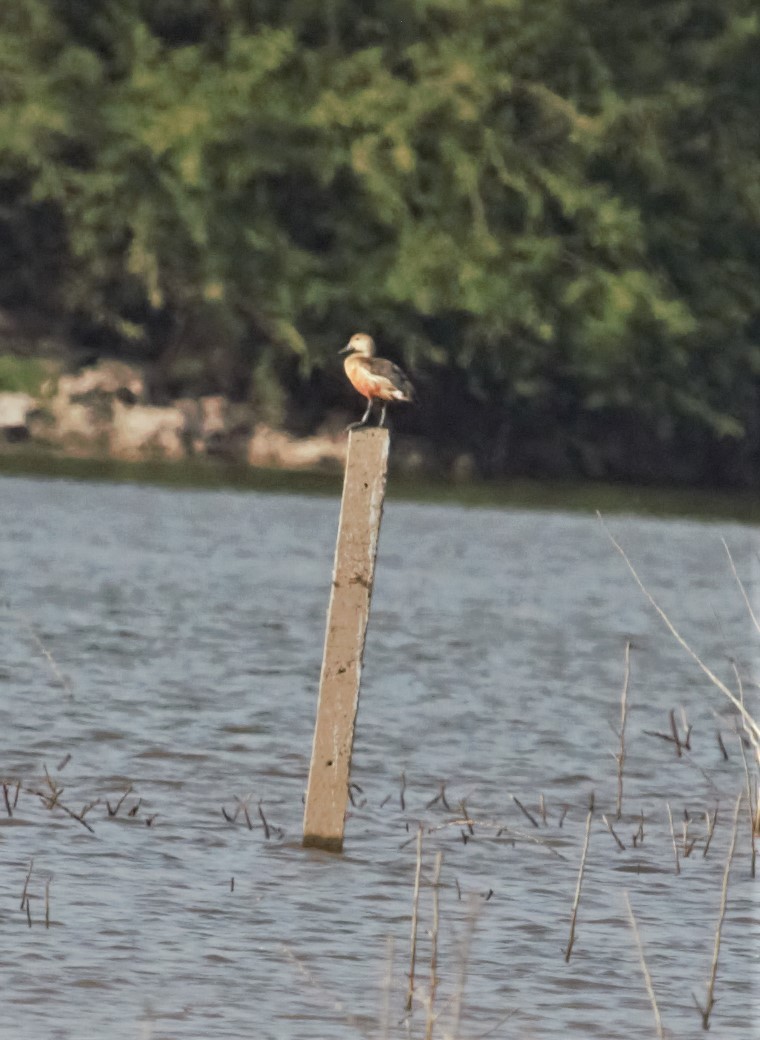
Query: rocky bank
[[103, 411]]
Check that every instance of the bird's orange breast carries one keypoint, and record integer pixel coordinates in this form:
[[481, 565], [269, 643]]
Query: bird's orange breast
[[367, 383]]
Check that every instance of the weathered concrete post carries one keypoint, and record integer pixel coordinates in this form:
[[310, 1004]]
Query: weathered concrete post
[[353, 573]]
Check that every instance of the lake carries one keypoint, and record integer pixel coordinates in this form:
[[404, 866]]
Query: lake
[[167, 643]]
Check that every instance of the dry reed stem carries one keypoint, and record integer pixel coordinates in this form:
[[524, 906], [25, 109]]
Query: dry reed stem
[[750, 808], [710, 1002], [623, 717], [47, 903], [578, 886], [644, 968], [61, 678], [673, 838], [324, 993], [472, 919], [387, 988], [753, 727], [743, 591], [415, 910], [431, 1016], [7, 800]]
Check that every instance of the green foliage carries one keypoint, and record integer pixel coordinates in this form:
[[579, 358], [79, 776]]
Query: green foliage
[[555, 202], [22, 375]]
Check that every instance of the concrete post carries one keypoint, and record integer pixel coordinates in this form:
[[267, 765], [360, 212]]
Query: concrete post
[[353, 573]]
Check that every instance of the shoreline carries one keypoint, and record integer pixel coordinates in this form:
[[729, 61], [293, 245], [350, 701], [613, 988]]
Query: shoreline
[[24, 461]]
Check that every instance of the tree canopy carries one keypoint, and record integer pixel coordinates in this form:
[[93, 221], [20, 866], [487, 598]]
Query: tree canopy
[[548, 209]]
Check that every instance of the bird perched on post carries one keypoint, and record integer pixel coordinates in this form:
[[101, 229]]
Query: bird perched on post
[[374, 378]]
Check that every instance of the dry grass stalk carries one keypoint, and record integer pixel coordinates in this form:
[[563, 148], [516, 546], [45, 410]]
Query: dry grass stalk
[[415, 911], [431, 1016], [645, 969], [47, 903], [623, 717], [673, 838], [579, 884], [710, 1001], [752, 727]]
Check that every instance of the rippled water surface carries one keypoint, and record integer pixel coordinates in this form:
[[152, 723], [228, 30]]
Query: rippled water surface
[[169, 642]]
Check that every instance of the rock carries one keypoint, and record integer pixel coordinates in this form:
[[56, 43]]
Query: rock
[[268, 447], [140, 432], [107, 377], [213, 415], [15, 409]]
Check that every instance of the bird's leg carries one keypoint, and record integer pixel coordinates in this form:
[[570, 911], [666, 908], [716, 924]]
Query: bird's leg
[[382, 414], [364, 418]]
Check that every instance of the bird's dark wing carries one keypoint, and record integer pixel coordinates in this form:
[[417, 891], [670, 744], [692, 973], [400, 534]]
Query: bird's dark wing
[[387, 370]]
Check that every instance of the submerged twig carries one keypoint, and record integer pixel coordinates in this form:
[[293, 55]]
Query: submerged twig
[[24, 899], [524, 811], [710, 829], [611, 829], [264, 822], [115, 810]]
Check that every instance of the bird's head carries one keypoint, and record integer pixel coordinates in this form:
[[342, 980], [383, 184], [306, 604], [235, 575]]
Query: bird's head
[[360, 343]]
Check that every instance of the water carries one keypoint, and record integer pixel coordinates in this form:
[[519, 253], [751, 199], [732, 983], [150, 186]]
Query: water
[[184, 631]]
